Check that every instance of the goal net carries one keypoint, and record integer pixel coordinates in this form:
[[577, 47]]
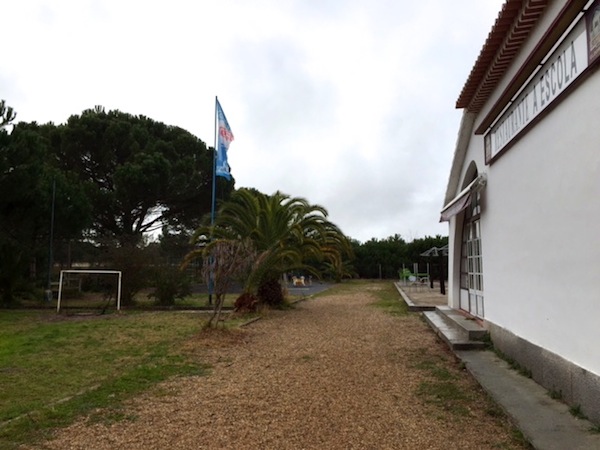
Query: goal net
[[71, 280]]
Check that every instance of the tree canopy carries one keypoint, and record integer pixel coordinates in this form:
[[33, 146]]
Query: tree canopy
[[31, 182], [139, 174], [107, 177]]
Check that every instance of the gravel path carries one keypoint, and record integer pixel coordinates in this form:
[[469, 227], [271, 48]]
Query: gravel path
[[333, 373]]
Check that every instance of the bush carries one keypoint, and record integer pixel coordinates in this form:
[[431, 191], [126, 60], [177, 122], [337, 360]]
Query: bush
[[270, 293], [246, 303], [169, 284], [137, 273]]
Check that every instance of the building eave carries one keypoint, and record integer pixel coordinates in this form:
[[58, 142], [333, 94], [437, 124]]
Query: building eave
[[560, 24], [512, 27]]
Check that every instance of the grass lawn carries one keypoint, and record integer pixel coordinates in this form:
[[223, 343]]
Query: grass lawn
[[97, 301], [56, 367]]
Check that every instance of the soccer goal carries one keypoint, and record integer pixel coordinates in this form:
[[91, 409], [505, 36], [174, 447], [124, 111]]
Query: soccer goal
[[82, 271]]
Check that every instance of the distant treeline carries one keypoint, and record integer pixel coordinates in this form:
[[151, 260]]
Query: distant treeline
[[383, 258]]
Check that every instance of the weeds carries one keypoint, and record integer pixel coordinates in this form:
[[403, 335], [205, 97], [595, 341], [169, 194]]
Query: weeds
[[441, 386], [555, 395], [514, 364], [577, 412]]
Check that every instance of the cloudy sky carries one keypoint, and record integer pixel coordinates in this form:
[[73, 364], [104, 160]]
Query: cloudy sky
[[348, 103]]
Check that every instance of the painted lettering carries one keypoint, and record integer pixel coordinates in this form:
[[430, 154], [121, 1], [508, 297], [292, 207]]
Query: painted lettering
[[542, 92], [573, 60], [559, 70]]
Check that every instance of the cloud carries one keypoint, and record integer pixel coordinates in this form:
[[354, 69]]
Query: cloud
[[348, 104]]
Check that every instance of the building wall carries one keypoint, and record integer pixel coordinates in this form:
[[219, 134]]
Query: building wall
[[541, 248], [565, 380], [540, 231], [541, 239]]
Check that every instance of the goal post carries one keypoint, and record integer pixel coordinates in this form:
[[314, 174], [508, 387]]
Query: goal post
[[107, 272]]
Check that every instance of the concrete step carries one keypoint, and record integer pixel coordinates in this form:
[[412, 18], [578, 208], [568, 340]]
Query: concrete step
[[457, 330], [475, 332]]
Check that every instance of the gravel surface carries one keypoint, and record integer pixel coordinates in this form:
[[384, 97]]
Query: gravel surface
[[333, 373]]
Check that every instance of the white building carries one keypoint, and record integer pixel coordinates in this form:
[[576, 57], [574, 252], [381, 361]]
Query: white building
[[523, 196]]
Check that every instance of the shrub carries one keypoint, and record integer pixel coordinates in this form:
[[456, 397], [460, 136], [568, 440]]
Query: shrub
[[169, 284], [270, 293], [246, 303]]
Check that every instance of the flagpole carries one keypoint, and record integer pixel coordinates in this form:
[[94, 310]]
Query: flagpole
[[223, 137], [214, 200], [214, 178]]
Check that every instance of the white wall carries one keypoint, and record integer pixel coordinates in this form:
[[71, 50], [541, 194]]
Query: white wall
[[541, 230]]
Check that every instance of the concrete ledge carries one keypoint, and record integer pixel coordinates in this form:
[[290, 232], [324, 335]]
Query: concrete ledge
[[411, 305], [546, 423], [574, 385]]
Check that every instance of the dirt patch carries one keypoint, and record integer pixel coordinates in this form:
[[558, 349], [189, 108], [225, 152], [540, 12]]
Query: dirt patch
[[333, 373]]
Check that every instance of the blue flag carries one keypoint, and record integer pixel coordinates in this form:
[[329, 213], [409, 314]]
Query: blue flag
[[224, 138]]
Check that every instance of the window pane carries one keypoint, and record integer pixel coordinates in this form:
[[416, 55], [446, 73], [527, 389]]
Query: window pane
[[471, 263]]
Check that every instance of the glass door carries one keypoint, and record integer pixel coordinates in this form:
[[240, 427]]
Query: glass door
[[471, 277]]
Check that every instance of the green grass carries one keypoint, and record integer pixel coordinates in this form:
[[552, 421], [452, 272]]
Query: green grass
[[98, 301], [440, 386], [191, 301], [345, 287], [54, 368], [445, 394], [389, 299]]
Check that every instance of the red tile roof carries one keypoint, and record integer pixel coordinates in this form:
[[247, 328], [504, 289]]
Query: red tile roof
[[512, 27]]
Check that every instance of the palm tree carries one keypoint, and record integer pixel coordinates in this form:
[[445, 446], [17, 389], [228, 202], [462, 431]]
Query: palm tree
[[285, 231]]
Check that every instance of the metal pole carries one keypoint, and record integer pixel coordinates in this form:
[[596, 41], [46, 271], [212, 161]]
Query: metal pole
[[60, 282], [50, 256], [442, 276], [213, 203]]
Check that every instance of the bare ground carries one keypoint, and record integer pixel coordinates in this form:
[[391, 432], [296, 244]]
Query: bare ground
[[334, 373]]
